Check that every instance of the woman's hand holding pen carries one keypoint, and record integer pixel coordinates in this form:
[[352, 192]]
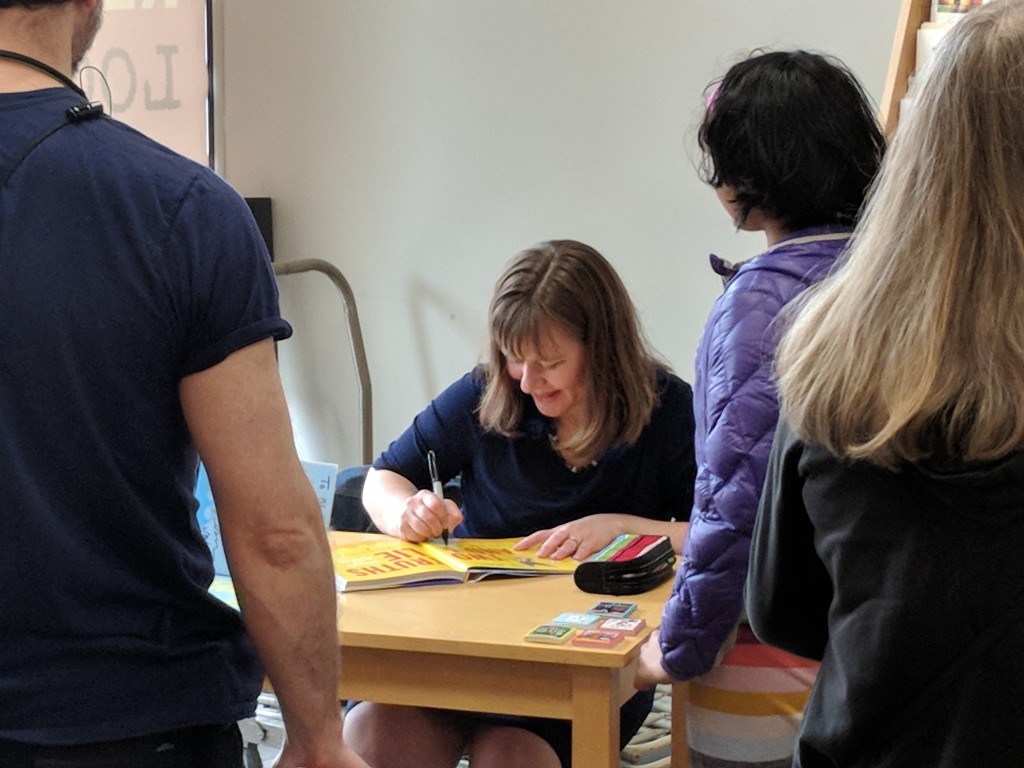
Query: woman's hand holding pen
[[579, 539], [426, 516]]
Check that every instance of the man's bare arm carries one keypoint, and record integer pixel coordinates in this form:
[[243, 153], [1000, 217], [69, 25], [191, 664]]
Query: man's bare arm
[[275, 544]]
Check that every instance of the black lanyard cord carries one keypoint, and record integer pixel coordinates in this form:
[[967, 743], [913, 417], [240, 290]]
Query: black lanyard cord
[[75, 114]]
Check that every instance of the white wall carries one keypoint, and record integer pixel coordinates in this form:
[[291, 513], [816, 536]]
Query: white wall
[[418, 144]]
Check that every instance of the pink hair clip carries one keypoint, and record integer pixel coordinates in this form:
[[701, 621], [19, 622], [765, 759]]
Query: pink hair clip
[[709, 100]]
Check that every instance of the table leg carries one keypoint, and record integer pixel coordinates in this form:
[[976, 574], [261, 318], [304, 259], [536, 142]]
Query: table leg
[[680, 744], [595, 719]]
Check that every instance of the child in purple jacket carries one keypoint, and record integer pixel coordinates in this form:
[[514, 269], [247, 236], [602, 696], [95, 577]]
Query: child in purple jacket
[[790, 145]]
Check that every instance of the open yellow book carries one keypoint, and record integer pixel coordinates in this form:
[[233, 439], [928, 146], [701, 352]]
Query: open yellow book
[[389, 562]]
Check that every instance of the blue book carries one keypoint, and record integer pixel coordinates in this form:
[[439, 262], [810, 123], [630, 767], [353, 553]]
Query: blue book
[[322, 476], [206, 518]]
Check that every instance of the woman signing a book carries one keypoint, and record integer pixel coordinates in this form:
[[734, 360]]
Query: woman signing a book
[[571, 433]]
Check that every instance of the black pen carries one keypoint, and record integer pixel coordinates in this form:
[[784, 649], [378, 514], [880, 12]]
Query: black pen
[[438, 489]]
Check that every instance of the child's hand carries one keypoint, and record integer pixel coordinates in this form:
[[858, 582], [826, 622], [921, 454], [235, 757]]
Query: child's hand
[[650, 672]]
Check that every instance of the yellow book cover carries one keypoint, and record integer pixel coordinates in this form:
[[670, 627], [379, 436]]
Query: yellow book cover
[[389, 562]]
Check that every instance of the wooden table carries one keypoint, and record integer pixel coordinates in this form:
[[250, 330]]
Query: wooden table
[[461, 647]]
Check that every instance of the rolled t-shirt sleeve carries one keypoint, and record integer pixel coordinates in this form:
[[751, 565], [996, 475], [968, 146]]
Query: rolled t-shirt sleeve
[[231, 294]]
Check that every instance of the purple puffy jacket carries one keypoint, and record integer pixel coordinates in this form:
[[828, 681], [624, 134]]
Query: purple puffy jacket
[[735, 408]]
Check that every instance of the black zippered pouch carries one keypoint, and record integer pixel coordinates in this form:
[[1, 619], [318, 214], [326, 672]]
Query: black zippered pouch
[[641, 566]]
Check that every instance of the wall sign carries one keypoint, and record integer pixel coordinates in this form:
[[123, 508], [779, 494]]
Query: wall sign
[[155, 60]]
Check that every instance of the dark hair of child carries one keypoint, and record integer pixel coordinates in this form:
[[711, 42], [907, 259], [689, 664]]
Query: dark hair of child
[[794, 134]]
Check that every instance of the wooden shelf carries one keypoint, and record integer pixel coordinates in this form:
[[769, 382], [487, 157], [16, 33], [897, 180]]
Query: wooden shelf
[[902, 60]]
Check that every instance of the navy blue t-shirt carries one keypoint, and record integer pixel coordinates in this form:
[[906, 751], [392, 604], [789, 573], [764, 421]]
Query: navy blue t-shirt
[[515, 486], [125, 269]]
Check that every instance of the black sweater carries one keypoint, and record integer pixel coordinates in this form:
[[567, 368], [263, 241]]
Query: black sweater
[[909, 586]]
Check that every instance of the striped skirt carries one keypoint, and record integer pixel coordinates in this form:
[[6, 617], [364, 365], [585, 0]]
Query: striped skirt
[[746, 711]]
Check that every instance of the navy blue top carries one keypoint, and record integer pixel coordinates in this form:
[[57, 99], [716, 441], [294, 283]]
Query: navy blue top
[[125, 268], [515, 486]]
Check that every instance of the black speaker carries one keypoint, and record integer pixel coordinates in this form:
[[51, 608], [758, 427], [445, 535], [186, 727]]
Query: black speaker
[[262, 212]]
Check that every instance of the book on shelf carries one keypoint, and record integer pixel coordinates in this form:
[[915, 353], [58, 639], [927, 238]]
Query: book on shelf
[[944, 15], [385, 561], [950, 11]]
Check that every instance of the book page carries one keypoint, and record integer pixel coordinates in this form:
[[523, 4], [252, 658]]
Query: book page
[[497, 555], [389, 561]]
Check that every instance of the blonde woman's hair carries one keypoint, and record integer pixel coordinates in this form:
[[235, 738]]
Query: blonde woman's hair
[[914, 349], [571, 285]]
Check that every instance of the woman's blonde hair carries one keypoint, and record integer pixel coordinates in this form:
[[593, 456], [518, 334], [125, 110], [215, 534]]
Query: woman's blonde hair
[[914, 349], [572, 285]]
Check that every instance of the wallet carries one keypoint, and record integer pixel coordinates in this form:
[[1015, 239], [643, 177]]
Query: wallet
[[631, 564]]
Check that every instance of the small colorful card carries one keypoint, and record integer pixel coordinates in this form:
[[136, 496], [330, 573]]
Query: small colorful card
[[598, 638], [549, 633], [619, 610], [626, 626], [572, 619]]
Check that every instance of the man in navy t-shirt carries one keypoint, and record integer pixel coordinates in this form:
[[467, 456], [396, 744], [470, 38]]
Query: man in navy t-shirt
[[138, 313]]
